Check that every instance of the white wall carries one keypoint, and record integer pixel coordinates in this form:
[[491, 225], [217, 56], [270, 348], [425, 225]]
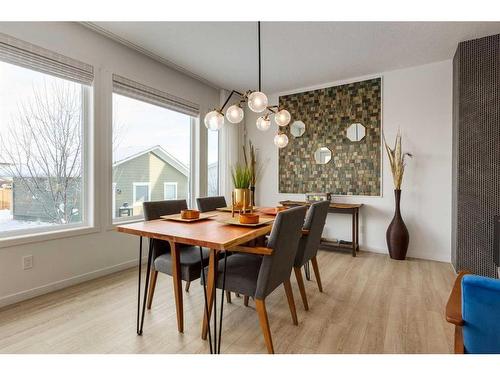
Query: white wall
[[419, 101], [64, 261]]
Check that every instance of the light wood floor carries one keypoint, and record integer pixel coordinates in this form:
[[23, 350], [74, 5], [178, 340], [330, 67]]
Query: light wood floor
[[370, 304]]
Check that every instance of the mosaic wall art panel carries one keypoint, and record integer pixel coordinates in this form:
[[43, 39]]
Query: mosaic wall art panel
[[354, 168]]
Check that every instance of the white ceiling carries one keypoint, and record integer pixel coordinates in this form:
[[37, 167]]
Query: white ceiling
[[294, 54]]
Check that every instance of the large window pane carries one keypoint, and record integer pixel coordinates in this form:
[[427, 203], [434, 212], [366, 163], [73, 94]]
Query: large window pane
[[213, 164], [151, 155], [41, 150]]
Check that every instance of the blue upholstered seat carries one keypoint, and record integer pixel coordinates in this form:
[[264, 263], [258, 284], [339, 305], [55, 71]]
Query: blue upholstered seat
[[481, 314]]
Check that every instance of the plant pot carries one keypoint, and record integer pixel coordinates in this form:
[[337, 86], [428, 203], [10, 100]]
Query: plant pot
[[397, 235], [242, 197]]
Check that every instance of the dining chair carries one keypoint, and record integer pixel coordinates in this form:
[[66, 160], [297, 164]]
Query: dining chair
[[189, 255], [474, 308], [309, 244], [210, 203], [258, 271]]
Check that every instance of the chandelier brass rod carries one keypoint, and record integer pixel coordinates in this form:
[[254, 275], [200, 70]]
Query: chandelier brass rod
[[260, 70], [229, 97]]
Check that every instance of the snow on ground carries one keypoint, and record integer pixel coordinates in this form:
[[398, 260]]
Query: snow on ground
[[7, 223]]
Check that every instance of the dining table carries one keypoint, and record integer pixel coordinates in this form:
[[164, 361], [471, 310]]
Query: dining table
[[213, 234]]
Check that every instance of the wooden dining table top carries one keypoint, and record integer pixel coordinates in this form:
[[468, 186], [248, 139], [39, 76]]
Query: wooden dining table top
[[207, 233]]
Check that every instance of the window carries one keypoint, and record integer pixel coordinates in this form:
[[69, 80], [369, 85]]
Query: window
[[141, 192], [44, 117], [170, 190], [213, 163], [152, 145]]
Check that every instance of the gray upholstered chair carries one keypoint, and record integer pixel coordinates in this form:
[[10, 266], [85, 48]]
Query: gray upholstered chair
[[257, 271], [210, 203], [189, 255], [309, 244]]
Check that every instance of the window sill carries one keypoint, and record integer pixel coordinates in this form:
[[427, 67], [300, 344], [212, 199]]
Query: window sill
[[123, 222], [47, 236]]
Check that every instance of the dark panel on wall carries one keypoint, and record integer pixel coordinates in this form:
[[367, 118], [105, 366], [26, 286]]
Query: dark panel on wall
[[354, 168], [476, 130]]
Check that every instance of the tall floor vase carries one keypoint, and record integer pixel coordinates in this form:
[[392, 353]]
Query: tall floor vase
[[397, 234]]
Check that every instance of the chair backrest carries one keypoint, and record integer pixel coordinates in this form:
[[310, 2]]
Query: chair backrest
[[153, 211], [315, 222], [481, 314], [210, 203], [284, 239]]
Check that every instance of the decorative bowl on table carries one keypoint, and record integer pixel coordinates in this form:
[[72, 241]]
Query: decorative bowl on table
[[190, 214], [272, 210], [249, 219]]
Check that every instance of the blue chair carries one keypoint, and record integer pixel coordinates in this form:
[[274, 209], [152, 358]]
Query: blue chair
[[474, 309]]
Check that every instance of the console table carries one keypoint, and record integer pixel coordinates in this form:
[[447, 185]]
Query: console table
[[337, 208]]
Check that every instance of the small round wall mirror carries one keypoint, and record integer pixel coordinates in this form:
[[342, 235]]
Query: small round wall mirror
[[298, 128], [356, 132], [322, 155]]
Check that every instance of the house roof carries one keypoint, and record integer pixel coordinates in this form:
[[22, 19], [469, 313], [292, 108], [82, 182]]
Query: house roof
[[126, 154]]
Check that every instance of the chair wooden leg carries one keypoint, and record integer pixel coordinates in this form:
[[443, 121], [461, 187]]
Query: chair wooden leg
[[188, 284], [228, 296], [152, 285], [212, 263], [302, 289], [291, 302], [314, 262], [264, 324], [245, 301]]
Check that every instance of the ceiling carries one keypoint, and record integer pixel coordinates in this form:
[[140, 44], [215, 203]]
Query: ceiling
[[294, 54]]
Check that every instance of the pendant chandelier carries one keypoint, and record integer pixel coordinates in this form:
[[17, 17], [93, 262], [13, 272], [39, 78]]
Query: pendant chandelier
[[258, 103]]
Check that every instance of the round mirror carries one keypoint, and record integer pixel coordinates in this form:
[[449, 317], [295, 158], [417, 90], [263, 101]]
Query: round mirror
[[297, 129], [356, 132], [322, 155]]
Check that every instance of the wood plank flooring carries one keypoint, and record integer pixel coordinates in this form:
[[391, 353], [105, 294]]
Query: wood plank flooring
[[370, 304]]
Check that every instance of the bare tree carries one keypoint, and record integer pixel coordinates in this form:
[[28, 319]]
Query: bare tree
[[42, 150]]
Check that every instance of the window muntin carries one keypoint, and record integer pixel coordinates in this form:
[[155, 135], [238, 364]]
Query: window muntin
[[43, 125], [212, 163], [150, 144]]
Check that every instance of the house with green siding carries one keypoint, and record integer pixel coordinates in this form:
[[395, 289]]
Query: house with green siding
[[148, 175], [138, 175]]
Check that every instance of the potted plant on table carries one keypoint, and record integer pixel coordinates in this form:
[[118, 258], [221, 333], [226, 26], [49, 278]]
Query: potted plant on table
[[251, 163], [242, 176], [397, 235]]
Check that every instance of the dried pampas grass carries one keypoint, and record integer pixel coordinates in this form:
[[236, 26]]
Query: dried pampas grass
[[397, 160]]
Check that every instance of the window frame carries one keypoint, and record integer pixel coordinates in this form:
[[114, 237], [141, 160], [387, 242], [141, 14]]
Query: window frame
[[87, 224], [170, 183], [192, 181]]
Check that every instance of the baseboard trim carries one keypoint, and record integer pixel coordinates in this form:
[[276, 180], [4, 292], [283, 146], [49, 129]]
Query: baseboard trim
[[61, 284], [432, 257]]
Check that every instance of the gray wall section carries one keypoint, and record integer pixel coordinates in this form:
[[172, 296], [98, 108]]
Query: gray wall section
[[476, 158], [146, 168]]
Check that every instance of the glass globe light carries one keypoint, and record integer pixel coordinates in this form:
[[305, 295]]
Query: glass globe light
[[214, 120], [263, 123], [280, 140], [257, 101], [282, 118], [234, 114]]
